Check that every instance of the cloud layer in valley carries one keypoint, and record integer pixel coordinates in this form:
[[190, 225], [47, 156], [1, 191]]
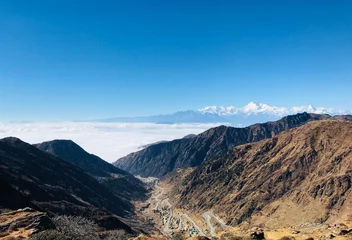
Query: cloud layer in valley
[[109, 141]]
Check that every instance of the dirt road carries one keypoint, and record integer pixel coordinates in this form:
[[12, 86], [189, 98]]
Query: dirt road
[[208, 216]]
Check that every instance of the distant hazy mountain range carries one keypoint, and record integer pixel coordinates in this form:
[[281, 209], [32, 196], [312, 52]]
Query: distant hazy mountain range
[[249, 114]]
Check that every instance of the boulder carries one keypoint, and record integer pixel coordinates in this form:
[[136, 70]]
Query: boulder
[[257, 235]]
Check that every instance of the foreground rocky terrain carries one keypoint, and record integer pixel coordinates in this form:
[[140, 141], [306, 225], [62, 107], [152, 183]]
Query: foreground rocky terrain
[[23, 223]]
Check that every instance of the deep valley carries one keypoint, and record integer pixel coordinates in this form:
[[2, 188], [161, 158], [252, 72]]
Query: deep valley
[[290, 178]]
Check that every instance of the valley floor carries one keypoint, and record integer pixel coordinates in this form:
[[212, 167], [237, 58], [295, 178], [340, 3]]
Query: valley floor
[[172, 223]]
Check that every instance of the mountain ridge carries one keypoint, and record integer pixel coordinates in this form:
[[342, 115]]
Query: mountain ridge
[[160, 159], [122, 183], [47, 183], [249, 114], [301, 175], [262, 108]]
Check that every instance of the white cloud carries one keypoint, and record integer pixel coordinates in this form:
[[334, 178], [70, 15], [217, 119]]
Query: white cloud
[[109, 141]]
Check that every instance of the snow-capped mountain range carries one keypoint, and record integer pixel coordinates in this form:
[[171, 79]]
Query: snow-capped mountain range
[[262, 108], [243, 116]]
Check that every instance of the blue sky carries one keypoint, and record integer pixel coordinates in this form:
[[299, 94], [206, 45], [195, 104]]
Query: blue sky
[[65, 60]]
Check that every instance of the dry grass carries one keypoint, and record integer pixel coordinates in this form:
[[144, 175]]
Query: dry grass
[[20, 233], [286, 234]]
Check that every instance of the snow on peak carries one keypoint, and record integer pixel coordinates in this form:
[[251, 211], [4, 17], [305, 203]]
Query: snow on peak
[[219, 110], [254, 108], [262, 108], [251, 107], [312, 109]]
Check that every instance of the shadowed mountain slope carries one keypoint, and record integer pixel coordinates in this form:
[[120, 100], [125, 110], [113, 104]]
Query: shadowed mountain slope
[[120, 182], [30, 177], [160, 159]]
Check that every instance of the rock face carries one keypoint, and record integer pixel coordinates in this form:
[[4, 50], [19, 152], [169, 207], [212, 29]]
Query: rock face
[[301, 175], [31, 177], [23, 222], [123, 184], [161, 159]]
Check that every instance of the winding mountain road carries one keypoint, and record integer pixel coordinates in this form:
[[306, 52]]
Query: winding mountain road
[[201, 233], [161, 202], [208, 216]]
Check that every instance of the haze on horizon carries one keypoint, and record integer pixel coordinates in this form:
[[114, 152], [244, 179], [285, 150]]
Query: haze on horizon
[[72, 60]]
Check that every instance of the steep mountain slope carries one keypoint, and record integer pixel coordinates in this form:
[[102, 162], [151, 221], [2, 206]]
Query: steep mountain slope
[[303, 174], [160, 159], [120, 182], [32, 178]]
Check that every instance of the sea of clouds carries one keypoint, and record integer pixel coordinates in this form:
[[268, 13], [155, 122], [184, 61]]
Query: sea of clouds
[[109, 141]]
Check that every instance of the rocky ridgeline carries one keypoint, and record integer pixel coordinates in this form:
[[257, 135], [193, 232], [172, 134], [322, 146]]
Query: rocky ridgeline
[[160, 159], [303, 173]]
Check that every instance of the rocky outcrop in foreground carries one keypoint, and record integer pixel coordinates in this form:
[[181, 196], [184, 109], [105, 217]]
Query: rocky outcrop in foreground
[[23, 223]]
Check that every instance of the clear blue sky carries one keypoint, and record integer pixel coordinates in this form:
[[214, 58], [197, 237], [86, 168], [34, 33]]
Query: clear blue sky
[[66, 59]]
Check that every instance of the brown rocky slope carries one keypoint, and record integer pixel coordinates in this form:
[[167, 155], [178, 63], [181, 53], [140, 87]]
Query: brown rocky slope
[[301, 175]]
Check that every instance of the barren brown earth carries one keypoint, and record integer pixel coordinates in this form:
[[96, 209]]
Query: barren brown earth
[[301, 175]]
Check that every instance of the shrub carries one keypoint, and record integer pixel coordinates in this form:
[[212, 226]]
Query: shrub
[[230, 236], [76, 227], [49, 235], [227, 235], [239, 238], [287, 238], [69, 228], [177, 236], [114, 235]]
